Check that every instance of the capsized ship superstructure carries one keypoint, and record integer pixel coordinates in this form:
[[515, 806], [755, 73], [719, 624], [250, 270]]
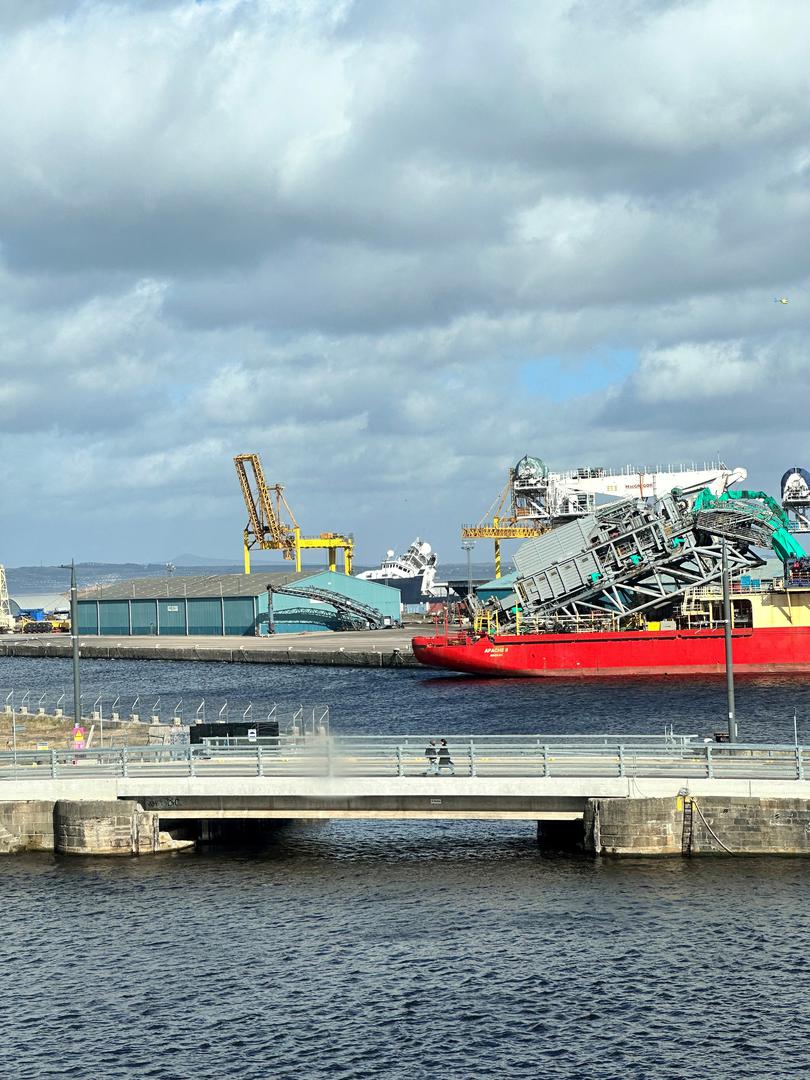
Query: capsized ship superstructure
[[635, 587], [413, 572]]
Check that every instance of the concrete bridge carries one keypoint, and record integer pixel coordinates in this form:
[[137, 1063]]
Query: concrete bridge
[[637, 796]]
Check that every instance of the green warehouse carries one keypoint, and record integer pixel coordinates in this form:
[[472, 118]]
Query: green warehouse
[[233, 605]]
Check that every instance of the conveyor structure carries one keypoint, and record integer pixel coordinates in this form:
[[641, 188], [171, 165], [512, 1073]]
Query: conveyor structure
[[634, 556], [352, 614]]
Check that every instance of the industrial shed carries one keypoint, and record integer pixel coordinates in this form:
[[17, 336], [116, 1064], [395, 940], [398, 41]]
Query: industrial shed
[[223, 604]]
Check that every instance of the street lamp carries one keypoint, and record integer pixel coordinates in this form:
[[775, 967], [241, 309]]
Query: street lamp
[[468, 545], [727, 616], [74, 639]]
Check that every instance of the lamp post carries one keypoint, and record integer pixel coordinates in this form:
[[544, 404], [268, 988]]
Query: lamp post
[[74, 639], [726, 573], [468, 545]]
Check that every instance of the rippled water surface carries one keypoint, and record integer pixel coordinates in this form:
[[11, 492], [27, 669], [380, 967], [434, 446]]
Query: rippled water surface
[[364, 700], [409, 950]]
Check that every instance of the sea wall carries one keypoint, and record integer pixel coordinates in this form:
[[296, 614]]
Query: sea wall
[[26, 826], [384, 653], [711, 825]]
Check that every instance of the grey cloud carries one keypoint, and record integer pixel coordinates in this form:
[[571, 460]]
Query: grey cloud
[[333, 233]]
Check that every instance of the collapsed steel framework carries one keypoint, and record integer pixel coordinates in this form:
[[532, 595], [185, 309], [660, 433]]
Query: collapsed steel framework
[[350, 614], [634, 556]]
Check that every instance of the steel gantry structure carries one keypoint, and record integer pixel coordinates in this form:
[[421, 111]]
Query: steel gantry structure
[[272, 525], [501, 523], [634, 556], [536, 499]]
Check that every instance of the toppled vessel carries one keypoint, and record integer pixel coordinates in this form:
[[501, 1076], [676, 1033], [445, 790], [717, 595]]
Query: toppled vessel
[[635, 587], [413, 572]]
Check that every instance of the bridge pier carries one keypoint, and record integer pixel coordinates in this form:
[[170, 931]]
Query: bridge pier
[[108, 827]]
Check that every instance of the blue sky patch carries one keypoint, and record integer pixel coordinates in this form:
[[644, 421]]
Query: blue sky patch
[[559, 380]]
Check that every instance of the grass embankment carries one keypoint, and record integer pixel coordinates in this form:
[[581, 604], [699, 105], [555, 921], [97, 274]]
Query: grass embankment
[[56, 732]]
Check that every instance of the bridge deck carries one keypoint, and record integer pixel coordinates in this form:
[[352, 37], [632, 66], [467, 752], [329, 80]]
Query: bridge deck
[[497, 777]]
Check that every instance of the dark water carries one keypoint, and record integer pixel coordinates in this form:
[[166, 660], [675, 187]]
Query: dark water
[[372, 701], [414, 950]]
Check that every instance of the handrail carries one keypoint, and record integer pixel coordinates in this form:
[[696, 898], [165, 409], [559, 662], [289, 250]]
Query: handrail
[[478, 757]]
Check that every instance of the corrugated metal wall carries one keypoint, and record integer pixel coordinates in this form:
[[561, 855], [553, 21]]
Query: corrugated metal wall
[[240, 616], [88, 617], [113, 617], [171, 616], [143, 616], [204, 617]]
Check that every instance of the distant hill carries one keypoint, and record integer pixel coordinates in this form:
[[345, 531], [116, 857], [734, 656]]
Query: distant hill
[[202, 560]]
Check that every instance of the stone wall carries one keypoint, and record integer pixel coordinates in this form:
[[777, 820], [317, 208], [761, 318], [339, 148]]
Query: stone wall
[[26, 826], [711, 825], [115, 827]]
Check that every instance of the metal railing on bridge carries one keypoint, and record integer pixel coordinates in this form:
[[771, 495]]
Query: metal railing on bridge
[[479, 756]]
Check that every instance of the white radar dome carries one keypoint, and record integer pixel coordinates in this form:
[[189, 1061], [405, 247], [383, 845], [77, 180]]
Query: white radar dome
[[390, 553], [425, 548]]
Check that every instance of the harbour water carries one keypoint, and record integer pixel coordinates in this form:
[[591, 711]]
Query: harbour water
[[417, 950]]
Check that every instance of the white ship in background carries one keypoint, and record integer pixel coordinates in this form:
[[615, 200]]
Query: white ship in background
[[413, 572]]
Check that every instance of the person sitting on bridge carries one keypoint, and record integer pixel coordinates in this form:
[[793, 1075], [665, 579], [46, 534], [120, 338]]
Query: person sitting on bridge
[[444, 758], [432, 755]]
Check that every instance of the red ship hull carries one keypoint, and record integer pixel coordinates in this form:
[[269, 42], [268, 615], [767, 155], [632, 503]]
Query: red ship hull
[[632, 652]]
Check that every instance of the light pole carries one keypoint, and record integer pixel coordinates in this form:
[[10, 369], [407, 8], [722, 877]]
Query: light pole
[[732, 716], [468, 545], [74, 639]]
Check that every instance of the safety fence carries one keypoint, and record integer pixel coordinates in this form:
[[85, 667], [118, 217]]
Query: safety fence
[[156, 708], [412, 756]]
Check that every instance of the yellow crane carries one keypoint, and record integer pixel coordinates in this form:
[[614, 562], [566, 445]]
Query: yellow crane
[[267, 528], [504, 524]]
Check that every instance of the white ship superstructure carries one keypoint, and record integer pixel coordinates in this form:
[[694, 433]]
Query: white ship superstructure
[[551, 497], [413, 572]]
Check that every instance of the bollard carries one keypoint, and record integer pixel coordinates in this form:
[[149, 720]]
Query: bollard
[[134, 718], [58, 713], [116, 717]]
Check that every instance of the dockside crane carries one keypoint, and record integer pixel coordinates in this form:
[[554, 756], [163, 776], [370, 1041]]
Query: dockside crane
[[272, 525], [502, 523]]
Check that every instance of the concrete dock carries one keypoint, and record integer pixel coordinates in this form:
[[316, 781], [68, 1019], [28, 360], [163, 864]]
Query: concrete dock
[[352, 648]]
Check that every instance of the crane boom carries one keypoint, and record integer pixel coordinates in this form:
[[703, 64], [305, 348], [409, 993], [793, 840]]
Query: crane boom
[[267, 528]]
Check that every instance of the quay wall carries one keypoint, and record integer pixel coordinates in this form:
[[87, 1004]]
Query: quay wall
[[372, 651], [688, 825], [79, 827], [26, 825]]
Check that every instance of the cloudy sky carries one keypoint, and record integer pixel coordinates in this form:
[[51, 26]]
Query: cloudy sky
[[392, 247]]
